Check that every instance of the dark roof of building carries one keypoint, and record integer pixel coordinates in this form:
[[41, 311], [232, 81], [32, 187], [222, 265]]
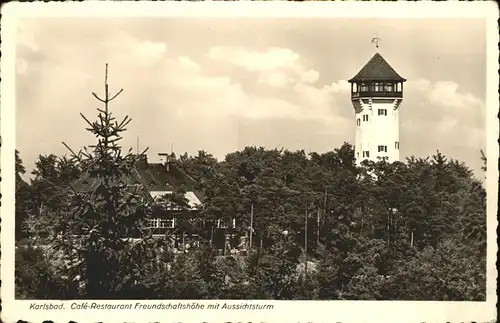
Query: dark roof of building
[[377, 69], [151, 176]]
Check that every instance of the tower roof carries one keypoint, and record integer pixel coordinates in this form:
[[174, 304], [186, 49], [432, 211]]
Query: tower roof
[[377, 69]]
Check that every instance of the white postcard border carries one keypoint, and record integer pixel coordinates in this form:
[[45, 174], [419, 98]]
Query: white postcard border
[[284, 311]]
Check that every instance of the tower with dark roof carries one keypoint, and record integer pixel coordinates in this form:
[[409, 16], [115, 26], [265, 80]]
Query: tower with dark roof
[[376, 94]]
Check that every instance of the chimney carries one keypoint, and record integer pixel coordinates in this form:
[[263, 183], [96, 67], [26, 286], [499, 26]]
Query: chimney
[[142, 161], [167, 160]]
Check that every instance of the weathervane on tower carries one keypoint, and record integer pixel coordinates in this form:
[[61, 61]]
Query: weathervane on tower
[[376, 40]]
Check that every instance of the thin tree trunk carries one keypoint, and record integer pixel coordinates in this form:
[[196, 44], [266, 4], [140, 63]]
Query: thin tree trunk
[[305, 250], [211, 234], [362, 222], [317, 229], [225, 243], [251, 228]]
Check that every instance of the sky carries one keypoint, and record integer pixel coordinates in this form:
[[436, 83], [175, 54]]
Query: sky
[[220, 84]]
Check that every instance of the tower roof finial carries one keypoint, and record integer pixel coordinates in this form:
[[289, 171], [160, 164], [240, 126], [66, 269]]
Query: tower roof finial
[[376, 40]]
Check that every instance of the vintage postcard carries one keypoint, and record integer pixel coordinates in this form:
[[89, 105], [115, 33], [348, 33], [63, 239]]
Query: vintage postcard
[[249, 161]]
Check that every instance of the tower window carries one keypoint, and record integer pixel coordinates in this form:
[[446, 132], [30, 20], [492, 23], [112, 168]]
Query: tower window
[[396, 145], [365, 117], [366, 154], [358, 122], [388, 87], [382, 149], [382, 112]]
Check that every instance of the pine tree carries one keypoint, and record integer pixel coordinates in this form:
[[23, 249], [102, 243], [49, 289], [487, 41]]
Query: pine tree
[[484, 160], [22, 193], [94, 232]]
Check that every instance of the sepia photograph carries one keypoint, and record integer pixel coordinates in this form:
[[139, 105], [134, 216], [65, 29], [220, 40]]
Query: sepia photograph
[[316, 158]]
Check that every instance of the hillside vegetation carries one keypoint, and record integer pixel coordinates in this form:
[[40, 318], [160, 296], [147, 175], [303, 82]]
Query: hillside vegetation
[[412, 230]]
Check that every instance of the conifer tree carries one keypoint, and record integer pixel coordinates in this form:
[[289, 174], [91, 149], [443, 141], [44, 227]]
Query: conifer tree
[[93, 235], [484, 160]]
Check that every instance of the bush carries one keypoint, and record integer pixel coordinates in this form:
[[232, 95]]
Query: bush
[[35, 277]]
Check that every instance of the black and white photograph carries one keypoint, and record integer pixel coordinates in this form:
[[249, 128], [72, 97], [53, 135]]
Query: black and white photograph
[[247, 157]]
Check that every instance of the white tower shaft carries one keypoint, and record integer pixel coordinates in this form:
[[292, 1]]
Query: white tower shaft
[[377, 130]]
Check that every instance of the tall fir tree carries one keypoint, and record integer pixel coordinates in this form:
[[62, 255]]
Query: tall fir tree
[[93, 235]]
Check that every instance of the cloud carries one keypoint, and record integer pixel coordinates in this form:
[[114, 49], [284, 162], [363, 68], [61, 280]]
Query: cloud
[[170, 96], [275, 79], [21, 66], [446, 94], [26, 36], [453, 120], [310, 76], [276, 67], [269, 60], [341, 86], [148, 50], [189, 63]]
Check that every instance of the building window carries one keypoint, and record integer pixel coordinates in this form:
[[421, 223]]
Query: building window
[[363, 88], [388, 87], [224, 223], [358, 122], [396, 145], [166, 223], [366, 154], [152, 223], [160, 223], [382, 149], [382, 112], [365, 117]]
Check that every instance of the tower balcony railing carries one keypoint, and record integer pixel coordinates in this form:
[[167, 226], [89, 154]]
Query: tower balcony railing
[[377, 94]]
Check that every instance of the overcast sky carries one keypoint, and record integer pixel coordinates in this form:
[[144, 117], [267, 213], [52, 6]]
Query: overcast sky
[[221, 84]]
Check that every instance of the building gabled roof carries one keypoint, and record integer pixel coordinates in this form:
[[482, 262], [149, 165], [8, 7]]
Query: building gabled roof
[[377, 69], [192, 200], [86, 183], [153, 177]]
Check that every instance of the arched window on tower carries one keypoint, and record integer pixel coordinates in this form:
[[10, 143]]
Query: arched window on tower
[[358, 122]]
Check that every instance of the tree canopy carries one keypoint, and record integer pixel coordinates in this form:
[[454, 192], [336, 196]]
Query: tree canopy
[[412, 230]]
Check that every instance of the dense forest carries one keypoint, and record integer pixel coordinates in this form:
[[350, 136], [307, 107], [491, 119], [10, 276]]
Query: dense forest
[[417, 230], [412, 230]]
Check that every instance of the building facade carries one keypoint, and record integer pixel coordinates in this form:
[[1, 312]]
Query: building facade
[[180, 220], [376, 95]]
